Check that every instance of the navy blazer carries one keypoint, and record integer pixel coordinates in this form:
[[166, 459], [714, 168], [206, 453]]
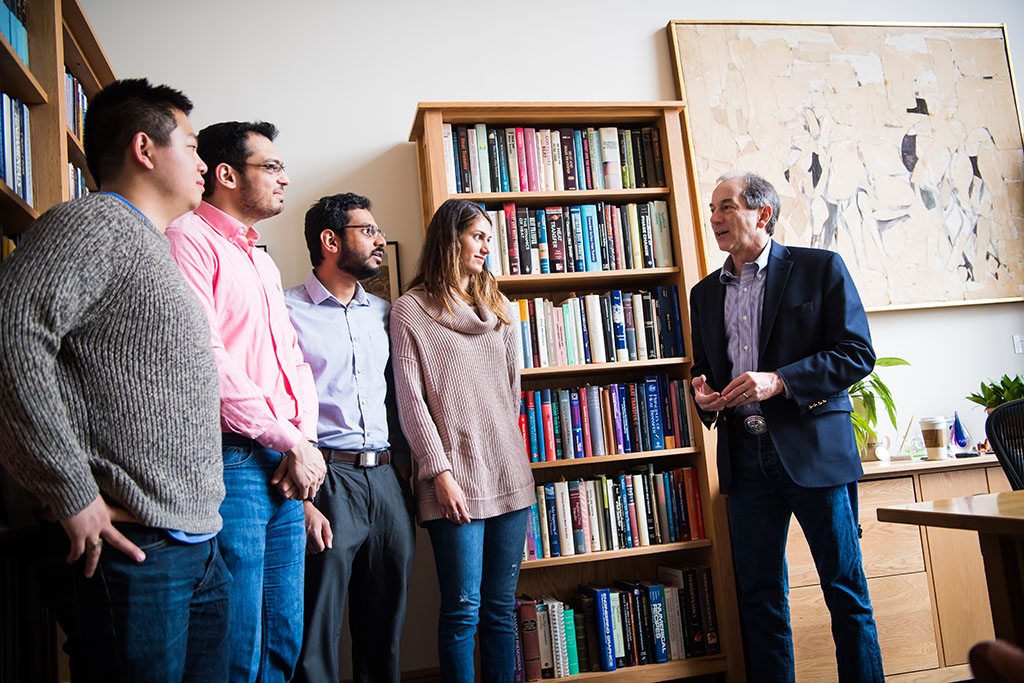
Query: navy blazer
[[814, 332]]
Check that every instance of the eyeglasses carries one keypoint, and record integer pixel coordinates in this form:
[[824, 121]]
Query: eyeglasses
[[271, 167], [368, 229]]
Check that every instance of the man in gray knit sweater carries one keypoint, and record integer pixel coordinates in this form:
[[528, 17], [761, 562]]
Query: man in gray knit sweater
[[110, 417]]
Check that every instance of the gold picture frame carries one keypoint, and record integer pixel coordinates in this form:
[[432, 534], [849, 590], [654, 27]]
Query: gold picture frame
[[387, 283], [898, 146]]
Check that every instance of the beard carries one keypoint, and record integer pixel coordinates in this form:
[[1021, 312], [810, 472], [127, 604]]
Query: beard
[[256, 204], [358, 266]]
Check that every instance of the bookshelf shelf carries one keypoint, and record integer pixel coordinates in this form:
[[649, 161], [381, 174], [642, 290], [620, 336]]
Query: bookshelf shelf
[[608, 279], [683, 249], [16, 78], [655, 549], [640, 366], [76, 63], [16, 212], [612, 459]]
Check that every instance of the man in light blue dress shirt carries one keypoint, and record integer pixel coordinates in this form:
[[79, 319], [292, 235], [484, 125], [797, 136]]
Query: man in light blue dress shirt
[[360, 533]]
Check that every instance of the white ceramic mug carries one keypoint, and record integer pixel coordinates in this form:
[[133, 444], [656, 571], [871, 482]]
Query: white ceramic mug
[[935, 431]]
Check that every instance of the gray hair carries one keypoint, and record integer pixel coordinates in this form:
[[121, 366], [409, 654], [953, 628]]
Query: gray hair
[[757, 193]]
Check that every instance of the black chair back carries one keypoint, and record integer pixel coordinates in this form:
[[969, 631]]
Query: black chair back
[[1005, 430]]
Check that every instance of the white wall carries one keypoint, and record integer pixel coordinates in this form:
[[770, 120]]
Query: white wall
[[342, 79]]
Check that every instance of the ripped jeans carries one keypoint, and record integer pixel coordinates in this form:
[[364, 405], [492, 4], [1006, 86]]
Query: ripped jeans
[[477, 570]]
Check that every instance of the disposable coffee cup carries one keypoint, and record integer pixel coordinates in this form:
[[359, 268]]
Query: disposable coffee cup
[[935, 432]]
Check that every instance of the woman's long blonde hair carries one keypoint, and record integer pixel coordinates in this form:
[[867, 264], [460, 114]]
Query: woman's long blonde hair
[[440, 270]]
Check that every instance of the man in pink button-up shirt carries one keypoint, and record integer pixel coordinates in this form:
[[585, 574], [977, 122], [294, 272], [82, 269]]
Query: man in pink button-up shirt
[[268, 399]]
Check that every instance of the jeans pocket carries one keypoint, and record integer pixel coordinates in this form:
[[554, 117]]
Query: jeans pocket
[[236, 456]]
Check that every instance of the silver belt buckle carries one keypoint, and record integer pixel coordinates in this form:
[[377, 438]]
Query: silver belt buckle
[[755, 424], [368, 458]]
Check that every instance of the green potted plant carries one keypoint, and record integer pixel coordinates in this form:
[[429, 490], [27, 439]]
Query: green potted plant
[[992, 394], [866, 394]]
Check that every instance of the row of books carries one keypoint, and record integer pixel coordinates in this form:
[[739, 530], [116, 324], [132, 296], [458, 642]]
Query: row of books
[[593, 421], [627, 624], [612, 327], [577, 239], [613, 512], [481, 158], [12, 26], [76, 181], [75, 104], [16, 143]]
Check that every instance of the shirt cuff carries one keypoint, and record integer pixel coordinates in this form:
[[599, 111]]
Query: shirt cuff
[[281, 437]]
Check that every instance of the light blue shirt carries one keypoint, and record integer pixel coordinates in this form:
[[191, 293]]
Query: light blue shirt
[[347, 348], [744, 299]]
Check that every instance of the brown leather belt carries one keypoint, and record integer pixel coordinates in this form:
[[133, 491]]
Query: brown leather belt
[[358, 458]]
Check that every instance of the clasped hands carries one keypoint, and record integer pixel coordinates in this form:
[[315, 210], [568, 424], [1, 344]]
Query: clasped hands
[[301, 472], [747, 388]]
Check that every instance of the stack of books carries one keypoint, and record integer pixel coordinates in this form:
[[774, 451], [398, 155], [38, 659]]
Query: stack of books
[[12, 26], [629, 623], [481, 158], [629, 510], [75, 104], [16, 141]]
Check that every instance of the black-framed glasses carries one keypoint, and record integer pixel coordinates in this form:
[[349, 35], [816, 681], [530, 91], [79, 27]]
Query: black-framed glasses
[[271, 167], [368, 229]]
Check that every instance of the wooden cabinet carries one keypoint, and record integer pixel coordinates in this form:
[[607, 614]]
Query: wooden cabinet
[[927, 586], [559, 576]]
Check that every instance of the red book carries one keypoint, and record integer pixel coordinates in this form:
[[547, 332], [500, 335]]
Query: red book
[[588, 450], [549, 424], [530, 637], [511, 237], [693, 502], [580, 517], [532, 156], [524, 176], [585, 175]]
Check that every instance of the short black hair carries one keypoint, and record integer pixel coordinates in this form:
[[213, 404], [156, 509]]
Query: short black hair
[[228, 143], [121, 110], [331, 212]]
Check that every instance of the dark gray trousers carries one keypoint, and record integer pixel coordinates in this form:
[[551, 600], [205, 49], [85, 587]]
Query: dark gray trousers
[[371, 561]]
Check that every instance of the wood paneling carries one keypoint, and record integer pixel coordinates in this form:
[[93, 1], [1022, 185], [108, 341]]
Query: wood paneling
[[997, 481]]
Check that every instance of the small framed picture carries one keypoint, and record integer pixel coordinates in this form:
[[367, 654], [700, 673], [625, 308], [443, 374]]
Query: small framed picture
[[387, 284]]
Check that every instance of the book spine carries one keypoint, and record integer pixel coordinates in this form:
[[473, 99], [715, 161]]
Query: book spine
[[518, 670], [693, 502], [511, 237], [531, 426], [565, 536], [617, 628], [641, 509], [659, 165], [594, 519], [530, 638], [582, 167], [546, 163], [500, 158], [659, 644], [597, 445], [569, 628], [611, 163], [552, 522], [578, 513], [542, 520], [596, 167], [654, 413], [556, 237], [604, 624], [521, 163], [577, 423], [531, 539], [490, 151], [619, 321], [588, 446], [464, 167], [547, 656], [568, 160], [512, 159], [532, 165], [707, 607], [474, 159], [549, 424], [449, 157], [643, 212], [576, 221], [542, 241], [558, 172]]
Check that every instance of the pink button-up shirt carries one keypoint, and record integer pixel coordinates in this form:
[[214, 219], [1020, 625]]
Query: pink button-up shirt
[[266, 389]]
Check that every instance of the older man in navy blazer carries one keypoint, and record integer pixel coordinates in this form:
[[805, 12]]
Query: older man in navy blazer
[[779, 333]]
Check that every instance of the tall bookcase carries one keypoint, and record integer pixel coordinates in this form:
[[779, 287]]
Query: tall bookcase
[[59, 39], [559, 576]]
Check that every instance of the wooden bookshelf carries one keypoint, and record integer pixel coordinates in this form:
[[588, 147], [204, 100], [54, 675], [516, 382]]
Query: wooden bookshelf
[[560, 576]]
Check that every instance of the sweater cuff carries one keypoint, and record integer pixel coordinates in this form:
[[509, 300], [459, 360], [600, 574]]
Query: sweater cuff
[[428, 467]]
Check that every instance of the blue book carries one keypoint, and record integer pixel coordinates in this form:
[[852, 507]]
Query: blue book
[[576, 234], [531, 426], [535, 530], [657, 650], [627, 441], [586, 331], [667, 329], [591, 245], [677, 321], [577, 428], [581, 167], [556, 422], [603, 611], [524, 329], [5, 23], [538, 425], [654, 413], [565, 413], [619, 324], [625, 493], [550, 508], [670, 506], [501, 156], [613, 391], [543, 244]]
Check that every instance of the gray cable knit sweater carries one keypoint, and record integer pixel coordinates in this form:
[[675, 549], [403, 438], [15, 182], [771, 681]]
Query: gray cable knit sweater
[[107, 380], [457, 381]]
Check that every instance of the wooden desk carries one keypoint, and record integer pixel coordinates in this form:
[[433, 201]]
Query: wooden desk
[[999, 520]]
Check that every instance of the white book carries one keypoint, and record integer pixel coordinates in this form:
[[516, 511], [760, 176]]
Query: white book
[[610, 159], [494, 263], [27, 141], [596, 169], [638, 326], [541, 326], [634, 236], [584, 515], [474, 164], [560, 656], [552, 336], [640, 503], [596, 545], [570, 334], [547, 163], [547, 656], [513, 161], [619, 319], [617, 638], [674, 624], [558, 321], [483, 161], [501, 227], [449, 157], [566, 544], [657, 332], [662, 229], [577, 322], [556, 161], [596, 328]]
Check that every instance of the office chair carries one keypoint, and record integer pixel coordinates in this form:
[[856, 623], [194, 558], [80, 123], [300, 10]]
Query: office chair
[[1005, 430]]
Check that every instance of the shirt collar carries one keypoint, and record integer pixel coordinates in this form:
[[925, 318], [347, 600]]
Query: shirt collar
[[319, 294], [761, 262], [229, 227]]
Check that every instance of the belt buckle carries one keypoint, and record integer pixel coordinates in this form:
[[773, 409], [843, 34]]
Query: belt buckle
[[367, 458], [755, 424]]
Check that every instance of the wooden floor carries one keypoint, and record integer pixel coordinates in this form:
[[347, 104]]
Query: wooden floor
[[947, 675]]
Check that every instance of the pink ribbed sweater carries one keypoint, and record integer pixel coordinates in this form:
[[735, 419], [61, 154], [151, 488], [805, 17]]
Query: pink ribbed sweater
[[457, 381]]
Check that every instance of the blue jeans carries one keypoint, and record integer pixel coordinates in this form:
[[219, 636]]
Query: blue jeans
[[477, 569], [263, 543], [166, 619], [761, 503]]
